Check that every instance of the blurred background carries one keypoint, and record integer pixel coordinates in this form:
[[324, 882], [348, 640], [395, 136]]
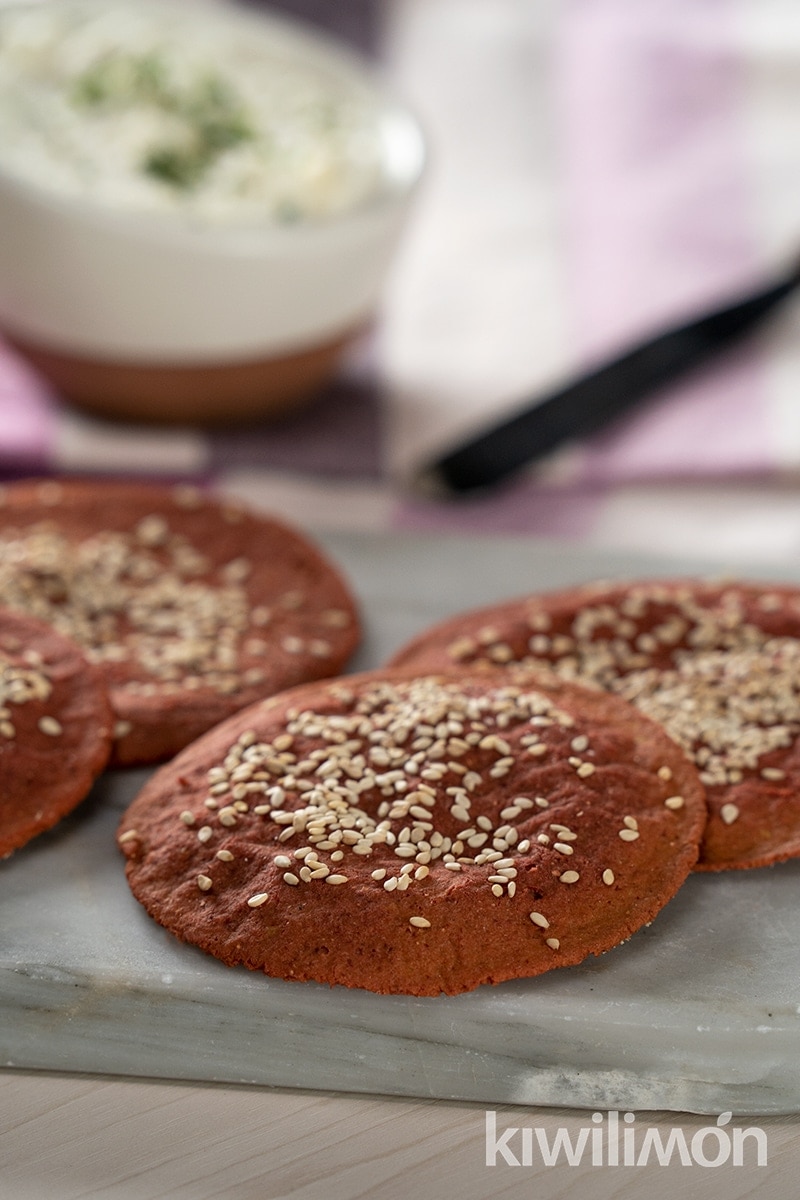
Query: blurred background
[[597, 168]]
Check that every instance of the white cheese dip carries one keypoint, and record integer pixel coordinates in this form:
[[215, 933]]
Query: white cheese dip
[[181, 108]]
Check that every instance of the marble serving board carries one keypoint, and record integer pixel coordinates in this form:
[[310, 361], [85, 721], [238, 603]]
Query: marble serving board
[[699, 1012]]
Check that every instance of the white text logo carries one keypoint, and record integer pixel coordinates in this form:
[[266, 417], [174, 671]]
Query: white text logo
[[612, 1142]]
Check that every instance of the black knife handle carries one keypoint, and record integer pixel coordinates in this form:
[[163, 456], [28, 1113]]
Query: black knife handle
[[591, 401]]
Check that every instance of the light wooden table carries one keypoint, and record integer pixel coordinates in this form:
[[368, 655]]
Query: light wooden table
[[73, 1137]]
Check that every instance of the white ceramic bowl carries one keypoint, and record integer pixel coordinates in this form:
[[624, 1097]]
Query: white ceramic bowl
[[147, 315]]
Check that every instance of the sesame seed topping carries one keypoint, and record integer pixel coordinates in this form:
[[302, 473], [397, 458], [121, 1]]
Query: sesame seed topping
[[629, 835], [402, 774], [729, 813], [204, 883], [50, 726], [724, 687], [540, 920], [186, 495], [336, 618], [419, 922], [674, 802], [608, 877], [553, 943], [151, 597]]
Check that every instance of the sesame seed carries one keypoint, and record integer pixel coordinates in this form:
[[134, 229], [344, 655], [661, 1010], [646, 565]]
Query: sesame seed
[[187, 817], [335, 618], [569, 877], [335, 879], [540, 920], [674, 802], [129, 836], [186, 495], [630, 822], [563, 848], [608, 877], [224, 856], [628, 835], [290, 878], [50, 726], [729, 813], [553, 943], [419, 922], [293, 645], [205, 833], [204, 883], [257, 900]]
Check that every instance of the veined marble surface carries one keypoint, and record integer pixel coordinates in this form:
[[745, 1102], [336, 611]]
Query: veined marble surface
[[698, 1012]]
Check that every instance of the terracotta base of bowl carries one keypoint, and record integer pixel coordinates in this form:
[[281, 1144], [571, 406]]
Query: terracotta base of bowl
[[216, 393]]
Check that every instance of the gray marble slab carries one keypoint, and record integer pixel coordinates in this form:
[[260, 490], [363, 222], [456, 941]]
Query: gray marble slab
[[699, 1012]]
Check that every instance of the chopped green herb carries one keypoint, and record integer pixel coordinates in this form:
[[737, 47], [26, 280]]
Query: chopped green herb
[[214, 116], [175, 166]]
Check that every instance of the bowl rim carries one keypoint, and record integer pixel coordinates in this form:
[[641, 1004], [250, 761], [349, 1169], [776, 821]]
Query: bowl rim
[[397, 117]]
